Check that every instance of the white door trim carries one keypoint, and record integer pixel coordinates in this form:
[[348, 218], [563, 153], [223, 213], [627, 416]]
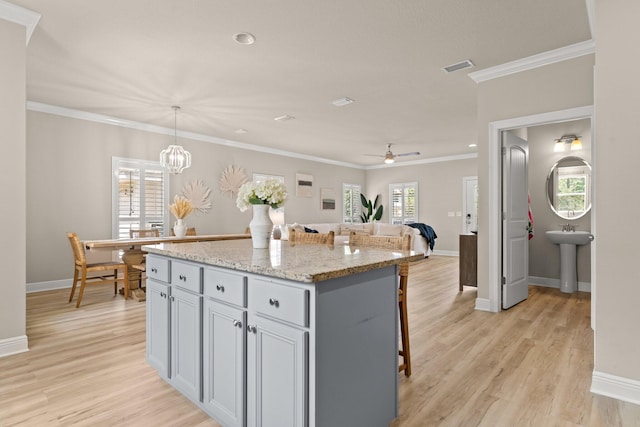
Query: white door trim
[[495, 191]]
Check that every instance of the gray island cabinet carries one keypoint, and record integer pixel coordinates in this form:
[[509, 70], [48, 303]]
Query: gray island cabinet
[[287, 336]]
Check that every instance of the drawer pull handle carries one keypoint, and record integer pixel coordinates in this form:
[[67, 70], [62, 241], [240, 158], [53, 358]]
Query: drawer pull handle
[[252, 328], [154, 270], [172, 298], [220, 288], [183, 277], [274, 302], [163, 295], [237, 323]]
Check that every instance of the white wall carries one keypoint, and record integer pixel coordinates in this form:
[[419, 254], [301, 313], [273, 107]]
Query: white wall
[[617, 103], [69, 185], [12, 190], [439, 192]]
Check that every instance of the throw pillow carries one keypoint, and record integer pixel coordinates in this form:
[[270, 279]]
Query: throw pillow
[[389, 230], [310, 230]]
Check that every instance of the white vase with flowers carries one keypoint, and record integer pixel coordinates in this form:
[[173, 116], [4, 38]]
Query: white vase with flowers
[[270, 193]]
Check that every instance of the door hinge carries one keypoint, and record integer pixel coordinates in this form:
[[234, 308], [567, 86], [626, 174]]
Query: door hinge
[[503, 215], [504, 280], [504, 151]]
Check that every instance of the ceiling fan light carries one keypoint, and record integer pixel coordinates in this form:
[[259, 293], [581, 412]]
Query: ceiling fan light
[[388, 158]]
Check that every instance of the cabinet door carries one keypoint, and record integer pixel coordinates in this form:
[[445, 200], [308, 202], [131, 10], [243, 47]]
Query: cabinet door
[[186, 343], [158, 327], [276, 374], [224, 370]]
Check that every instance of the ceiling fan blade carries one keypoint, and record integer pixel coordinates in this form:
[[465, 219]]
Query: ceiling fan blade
[[414, 153], [373, 155]]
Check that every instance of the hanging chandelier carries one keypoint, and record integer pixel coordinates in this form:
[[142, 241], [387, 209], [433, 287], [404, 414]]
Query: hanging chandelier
[[175, 158]]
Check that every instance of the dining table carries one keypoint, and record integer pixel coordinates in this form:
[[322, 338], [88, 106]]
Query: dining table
[[132, 253]]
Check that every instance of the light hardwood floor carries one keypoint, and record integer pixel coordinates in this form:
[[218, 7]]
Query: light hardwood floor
[[528, 366]]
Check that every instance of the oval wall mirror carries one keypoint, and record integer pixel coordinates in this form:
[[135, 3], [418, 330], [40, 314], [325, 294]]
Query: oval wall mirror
[[569, 187]]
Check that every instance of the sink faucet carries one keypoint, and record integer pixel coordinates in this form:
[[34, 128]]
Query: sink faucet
[[571, 212], [568, 227]]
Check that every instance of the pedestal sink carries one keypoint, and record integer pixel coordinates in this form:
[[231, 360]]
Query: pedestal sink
[[568, 240]]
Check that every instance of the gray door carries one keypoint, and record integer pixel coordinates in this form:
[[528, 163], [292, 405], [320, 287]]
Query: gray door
[[515, 209]]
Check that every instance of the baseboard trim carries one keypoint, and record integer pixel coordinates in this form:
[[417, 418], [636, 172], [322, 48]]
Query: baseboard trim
[[548, 282], [48, 286], [14, 345], [620, 388], [446, 253], [482, 304]]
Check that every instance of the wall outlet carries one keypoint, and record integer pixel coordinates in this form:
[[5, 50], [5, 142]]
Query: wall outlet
[[450, 213], [458, 213]]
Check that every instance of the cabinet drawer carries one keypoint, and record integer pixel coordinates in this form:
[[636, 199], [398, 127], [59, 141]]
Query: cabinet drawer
[[279, 301], [226, 287], [186, 276], [158, 268]]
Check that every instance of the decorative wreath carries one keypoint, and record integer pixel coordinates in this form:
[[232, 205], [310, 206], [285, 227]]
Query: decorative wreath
[[231, 180], [199, 196]]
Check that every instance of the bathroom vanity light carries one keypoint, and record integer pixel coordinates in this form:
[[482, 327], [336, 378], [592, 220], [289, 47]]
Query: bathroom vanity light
[[175, 158], [560, 143]]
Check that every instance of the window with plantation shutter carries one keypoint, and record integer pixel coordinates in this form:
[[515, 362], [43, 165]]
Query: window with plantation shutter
[[404, 203], [351, 206], [140, 196]]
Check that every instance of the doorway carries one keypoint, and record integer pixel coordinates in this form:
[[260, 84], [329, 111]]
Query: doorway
[[494, 233]]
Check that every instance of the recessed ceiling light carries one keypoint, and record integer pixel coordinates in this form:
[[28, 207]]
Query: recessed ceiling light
[[458, 66], [342, 102], [244, 38], [473, 145], [284, 118], [241, 131]]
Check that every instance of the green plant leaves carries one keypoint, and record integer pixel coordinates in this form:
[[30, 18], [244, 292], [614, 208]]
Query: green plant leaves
[[368, 209]]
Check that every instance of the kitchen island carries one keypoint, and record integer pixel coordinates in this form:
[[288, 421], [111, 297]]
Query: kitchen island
[[293, 335]]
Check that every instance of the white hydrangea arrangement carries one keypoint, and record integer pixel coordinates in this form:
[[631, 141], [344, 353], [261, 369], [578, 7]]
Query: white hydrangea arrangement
[[270, 192]]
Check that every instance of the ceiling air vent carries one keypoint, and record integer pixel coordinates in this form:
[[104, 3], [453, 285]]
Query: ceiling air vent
[[459, 66]]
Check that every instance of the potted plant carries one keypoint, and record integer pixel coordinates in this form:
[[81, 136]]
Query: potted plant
[[370, 211]]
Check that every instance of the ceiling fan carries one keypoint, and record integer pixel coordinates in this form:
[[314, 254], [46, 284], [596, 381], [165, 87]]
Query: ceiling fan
[[389, 157]]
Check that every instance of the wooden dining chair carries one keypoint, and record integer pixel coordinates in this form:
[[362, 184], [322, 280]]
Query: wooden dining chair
[[144, 232], [394, 243], [82, 269], [298, 237]]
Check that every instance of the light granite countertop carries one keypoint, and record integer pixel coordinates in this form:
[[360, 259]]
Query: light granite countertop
[[301, 263]]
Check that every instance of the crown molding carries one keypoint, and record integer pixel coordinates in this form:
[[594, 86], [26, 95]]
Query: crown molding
[[130, 124], [546, 58], [425, 161], [19, 15]]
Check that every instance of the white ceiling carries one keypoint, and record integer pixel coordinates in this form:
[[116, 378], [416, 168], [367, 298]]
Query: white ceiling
[[134, 59]]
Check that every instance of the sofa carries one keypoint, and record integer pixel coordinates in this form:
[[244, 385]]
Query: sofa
[[418, 242]]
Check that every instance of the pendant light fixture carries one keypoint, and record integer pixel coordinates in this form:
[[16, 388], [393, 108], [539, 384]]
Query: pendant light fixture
[[174, 157]]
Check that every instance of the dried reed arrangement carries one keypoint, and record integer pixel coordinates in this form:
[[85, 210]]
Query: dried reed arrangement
[[181, 207]]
